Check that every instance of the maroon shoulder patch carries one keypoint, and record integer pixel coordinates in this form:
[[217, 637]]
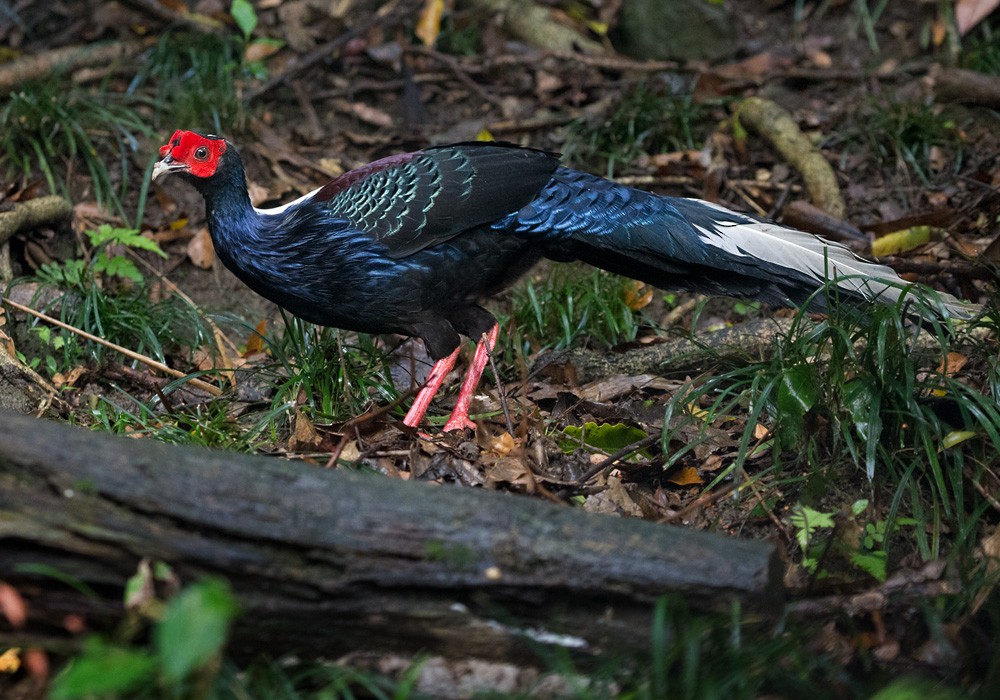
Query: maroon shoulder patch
[[339, 184]]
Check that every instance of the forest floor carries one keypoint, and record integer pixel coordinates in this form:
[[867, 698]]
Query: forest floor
[[876, 475]]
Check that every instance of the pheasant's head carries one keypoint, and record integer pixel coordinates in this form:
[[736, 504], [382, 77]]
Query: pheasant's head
[[190, 153]]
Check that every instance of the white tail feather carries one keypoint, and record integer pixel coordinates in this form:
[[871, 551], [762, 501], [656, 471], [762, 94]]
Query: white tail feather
[[823, 259]]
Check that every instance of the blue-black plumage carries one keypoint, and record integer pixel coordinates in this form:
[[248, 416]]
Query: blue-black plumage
[[410, 244]]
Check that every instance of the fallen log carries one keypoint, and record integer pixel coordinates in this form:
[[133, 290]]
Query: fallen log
[[327, 562]]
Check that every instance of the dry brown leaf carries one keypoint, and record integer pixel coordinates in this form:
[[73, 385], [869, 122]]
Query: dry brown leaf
[[203, 359], [255, 343], [615, 500], [952, 364], [258, 193], [6, 342], [638, 295], [991, 553], [429, 24], [200, 250], [510, 470], [36, 662], [304, 434], [371, 115], [351, 452], [969, 13], [756, 66], [74, 624], [64, 380], [142, 592], [10, 660], [820, 58], [501, 444], [259, 50], [685, 476], [12, 605]]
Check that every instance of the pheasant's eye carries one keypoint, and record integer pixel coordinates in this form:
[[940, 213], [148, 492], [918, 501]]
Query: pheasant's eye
[[201, 153]]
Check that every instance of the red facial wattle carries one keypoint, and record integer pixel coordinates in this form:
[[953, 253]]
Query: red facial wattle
[[199, 155]]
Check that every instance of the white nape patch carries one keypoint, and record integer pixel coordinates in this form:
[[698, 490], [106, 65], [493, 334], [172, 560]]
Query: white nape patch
[[284, 207]]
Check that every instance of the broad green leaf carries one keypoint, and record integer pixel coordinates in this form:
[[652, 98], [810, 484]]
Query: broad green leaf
[[798, 390], [957, 437], [245, 17], [871, 562], [865, 407], [144, 243], [604, 436], [807, 521], [194, 628], [102, 669]]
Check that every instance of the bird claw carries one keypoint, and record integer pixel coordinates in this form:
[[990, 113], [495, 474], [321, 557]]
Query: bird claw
[[459, 422]]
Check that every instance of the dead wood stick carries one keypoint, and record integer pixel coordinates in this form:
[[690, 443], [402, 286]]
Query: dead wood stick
[[328, 561], [21, 388], [753, 341], [776, 124], [67, 58], [967, 86], [533, 22], [166, 13], [33, 213], [459, 72], [320, 53]]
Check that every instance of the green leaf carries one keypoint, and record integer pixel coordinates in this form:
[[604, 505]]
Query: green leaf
[[865, 406], [798, 390], [118, 267], [103, 668], [143, 243], [871, 562], [245, 16], [807, 521], [603, 436], [194, 628], [130, 237]]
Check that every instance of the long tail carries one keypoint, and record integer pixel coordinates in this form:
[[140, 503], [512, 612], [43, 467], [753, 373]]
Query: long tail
[[677, 243]]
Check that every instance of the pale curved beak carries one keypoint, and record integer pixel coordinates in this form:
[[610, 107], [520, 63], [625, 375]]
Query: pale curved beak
[[166, 166]]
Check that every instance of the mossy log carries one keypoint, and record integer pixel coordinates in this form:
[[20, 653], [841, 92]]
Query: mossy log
[[325, 562]]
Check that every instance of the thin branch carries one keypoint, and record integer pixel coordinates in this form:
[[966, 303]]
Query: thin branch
[[131, 354]]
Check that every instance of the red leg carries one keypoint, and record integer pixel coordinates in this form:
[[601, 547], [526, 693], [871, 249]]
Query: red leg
[[460, 415], [420, 404]]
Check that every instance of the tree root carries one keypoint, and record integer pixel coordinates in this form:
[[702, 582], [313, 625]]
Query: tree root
[[534, 24], [67, 58], [21, 389], [33, 213], [966, 86], [753, 341], [776, 124]]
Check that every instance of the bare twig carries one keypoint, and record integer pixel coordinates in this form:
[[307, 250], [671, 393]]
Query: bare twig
[[33, 213], [16, 72], [320, 53], [131, 354], [620, 454], [459, 72]]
